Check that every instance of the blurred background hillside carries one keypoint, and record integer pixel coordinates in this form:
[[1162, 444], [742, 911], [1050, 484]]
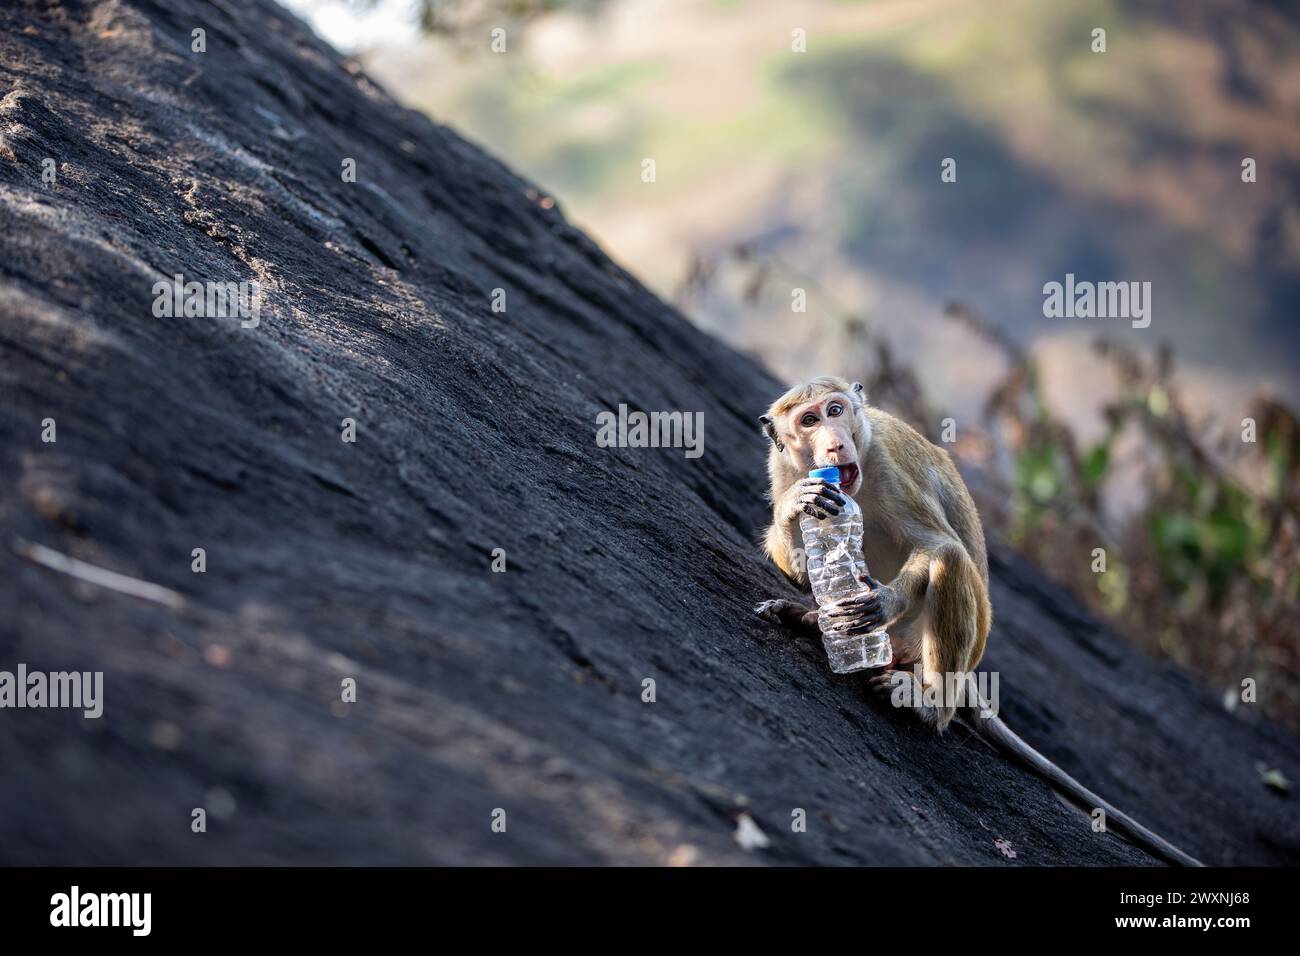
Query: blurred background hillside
[[779, 169]]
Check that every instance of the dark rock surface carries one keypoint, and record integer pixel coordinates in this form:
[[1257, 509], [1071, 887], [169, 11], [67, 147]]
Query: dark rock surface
[[475, 431]]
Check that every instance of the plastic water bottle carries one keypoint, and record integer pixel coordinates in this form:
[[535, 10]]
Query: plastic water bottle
[[833, 549]]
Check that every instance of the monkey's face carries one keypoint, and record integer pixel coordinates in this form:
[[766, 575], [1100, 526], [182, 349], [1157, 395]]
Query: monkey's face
[[821, 433]]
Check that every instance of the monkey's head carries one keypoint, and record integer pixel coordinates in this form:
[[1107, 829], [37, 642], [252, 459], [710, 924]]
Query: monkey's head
[[821, 422]]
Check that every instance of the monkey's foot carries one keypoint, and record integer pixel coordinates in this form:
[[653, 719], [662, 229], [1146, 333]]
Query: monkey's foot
[[772, 611], [790, 613], [883, 682], [904, 683]]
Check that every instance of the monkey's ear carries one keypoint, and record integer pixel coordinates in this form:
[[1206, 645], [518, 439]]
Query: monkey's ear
[[769, 427], [859, 392]]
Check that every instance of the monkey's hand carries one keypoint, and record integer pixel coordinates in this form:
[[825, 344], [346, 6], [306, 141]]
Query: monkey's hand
[[812, 496], [867, 612]]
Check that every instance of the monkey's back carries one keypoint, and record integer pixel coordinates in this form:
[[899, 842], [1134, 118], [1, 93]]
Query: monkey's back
[[935, 480]]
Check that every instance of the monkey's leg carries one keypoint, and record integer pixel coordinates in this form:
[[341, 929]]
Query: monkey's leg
[[957, 623], [952, 628], [909, 691], [905, 638], [790, 613]]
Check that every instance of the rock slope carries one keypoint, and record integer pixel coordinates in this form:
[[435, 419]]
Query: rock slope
[[371, 560]]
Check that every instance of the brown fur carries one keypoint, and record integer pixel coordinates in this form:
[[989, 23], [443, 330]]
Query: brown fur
[[921, 527]]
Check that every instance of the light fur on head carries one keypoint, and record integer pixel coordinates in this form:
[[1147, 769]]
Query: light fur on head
[[782, 467]]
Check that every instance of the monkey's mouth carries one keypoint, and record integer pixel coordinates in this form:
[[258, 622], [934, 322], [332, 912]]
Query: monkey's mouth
[[848, 476]]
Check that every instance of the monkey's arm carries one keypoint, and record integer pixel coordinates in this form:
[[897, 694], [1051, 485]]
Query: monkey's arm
[[916, 523], [884, 605], [780, 547], [939, 579], [811, 496]]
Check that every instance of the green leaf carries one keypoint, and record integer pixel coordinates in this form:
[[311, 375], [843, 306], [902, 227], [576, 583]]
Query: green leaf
[[1095, 464]]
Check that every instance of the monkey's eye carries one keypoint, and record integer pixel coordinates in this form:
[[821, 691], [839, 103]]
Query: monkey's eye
[[808, 420], [834, 409]]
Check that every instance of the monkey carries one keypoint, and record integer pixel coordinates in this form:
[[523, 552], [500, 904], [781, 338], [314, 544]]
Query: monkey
[[920, 527], [922, 534]]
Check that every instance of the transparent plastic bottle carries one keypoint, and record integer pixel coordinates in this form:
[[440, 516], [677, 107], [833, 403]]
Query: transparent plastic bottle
[[833, 552]]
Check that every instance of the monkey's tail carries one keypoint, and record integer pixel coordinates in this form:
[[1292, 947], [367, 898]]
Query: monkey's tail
[[1004, 738]]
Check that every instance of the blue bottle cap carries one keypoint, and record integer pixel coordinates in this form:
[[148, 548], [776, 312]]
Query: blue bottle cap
[[829, 473]]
